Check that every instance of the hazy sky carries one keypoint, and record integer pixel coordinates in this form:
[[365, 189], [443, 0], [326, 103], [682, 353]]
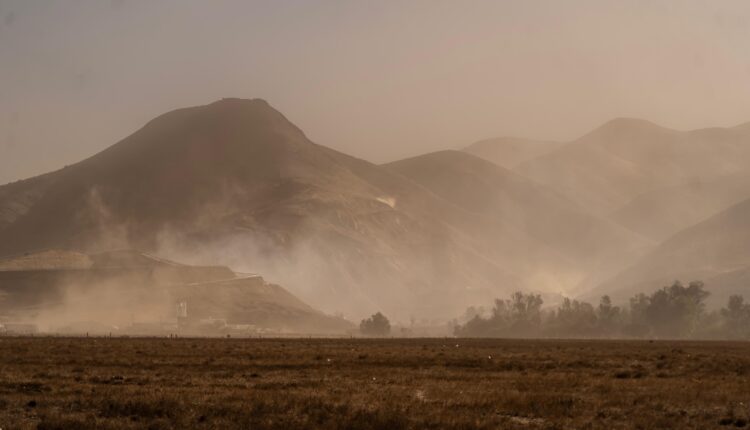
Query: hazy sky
[[377, 79]]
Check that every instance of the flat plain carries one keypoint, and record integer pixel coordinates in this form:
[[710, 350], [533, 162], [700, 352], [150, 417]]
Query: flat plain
[[119, 383]]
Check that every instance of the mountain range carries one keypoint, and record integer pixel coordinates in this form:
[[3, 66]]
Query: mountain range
[[624, 208], [685, 191]]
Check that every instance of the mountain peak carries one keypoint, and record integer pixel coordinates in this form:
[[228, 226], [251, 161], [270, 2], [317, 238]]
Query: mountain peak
[[236, 101], [217, 127], [221, 113], [626, 128], [247, 108], [628, 123]]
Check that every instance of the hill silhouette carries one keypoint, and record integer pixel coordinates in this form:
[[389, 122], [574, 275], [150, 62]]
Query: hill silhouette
[[665, 185], [236, 183], [236, 175], [660, 213], [625, 158], [528, 224]]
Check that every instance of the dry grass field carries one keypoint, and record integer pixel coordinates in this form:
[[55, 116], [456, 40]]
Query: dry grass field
[[80, 383]]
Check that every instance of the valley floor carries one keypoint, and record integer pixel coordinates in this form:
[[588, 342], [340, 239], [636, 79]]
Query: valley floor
[[81, 383]]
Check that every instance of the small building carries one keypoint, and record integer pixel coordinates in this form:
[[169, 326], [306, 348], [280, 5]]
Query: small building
[[18, 328]]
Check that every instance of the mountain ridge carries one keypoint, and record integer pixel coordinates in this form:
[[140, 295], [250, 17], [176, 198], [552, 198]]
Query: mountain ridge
[[200, 177], [236, 183]]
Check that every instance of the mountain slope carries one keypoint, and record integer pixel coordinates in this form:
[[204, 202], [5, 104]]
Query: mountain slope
[[538, 227], [714, 251], [18, 197], [235, 181], [609, 167], [660, 213], [509, 152]]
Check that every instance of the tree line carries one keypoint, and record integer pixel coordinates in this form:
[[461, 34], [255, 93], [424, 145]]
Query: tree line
[[676, 312]]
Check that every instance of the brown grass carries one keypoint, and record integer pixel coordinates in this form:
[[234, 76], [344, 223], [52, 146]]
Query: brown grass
[[60, 383]]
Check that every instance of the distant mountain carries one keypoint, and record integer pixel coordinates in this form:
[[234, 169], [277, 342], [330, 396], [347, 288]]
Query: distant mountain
[[715, 250], [660, 213], [508, 152], [551, 239], [606, 169], [660, 184], [18, 197], [236, 182]]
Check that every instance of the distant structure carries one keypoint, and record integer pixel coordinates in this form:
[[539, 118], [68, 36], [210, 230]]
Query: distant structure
[[34, 283], [18, 329], [182, 313], [182, 309]]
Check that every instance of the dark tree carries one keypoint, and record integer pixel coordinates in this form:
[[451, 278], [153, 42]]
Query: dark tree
[[376, 325], [526, 310], [673, 311], [574, 318], [737, 318], [518, 316]]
